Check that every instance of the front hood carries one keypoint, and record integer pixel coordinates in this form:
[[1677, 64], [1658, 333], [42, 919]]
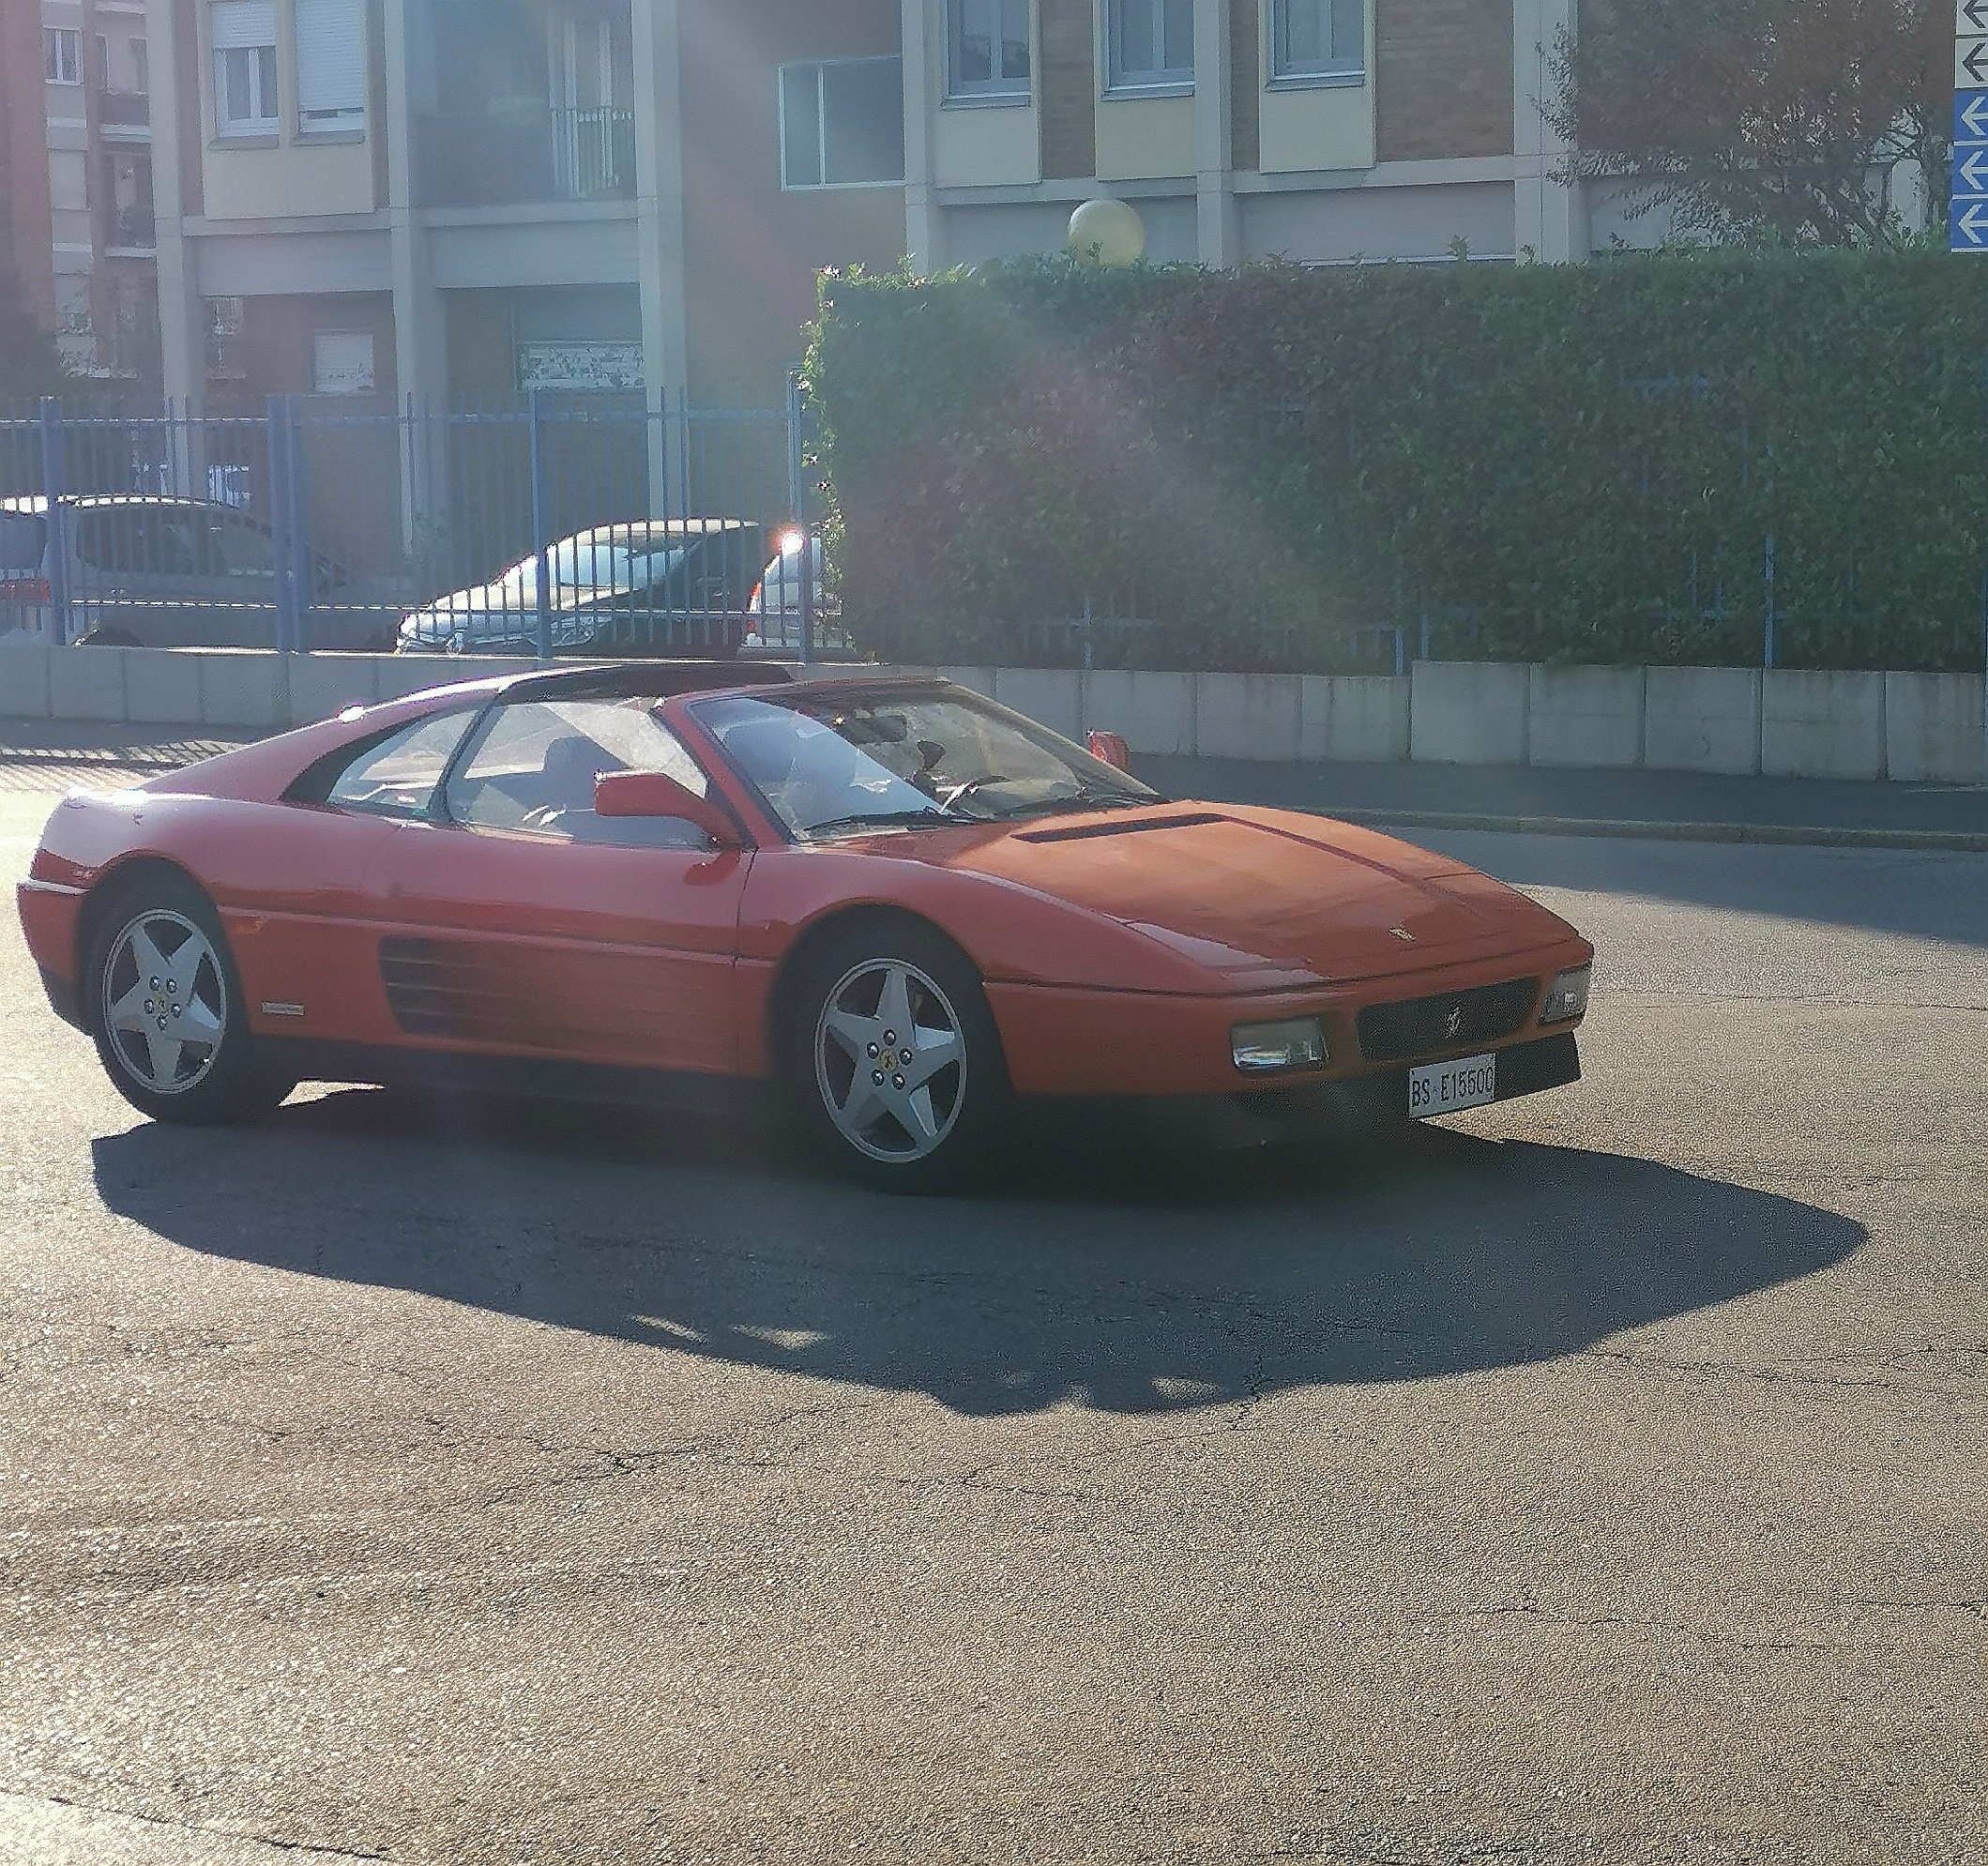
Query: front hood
[[1246, 892]]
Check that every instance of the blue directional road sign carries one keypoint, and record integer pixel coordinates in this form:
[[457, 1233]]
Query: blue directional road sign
[[1967, 223]]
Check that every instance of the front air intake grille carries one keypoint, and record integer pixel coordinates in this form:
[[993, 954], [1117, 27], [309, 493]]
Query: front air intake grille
[[1391, 1033]]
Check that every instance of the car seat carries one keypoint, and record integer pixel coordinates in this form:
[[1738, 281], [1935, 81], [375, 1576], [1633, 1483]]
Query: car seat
[[566, 783], [763, 750]]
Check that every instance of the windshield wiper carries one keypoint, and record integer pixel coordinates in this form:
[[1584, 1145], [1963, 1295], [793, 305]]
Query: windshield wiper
[[879, 819], [1084, 799]]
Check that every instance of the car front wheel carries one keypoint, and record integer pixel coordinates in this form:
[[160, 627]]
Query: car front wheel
[[166, 1002], [903, 1082]]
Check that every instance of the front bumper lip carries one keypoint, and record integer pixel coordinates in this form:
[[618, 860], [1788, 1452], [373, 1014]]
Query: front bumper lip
[[1368, 1104]]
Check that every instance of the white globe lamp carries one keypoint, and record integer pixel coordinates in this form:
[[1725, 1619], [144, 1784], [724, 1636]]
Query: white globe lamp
[[1107, 233]]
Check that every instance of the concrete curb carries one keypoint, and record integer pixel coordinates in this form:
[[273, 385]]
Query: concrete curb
[[1816, 836]]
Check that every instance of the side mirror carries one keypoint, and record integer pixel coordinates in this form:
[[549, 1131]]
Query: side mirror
[[1109, 747], [655, 793]]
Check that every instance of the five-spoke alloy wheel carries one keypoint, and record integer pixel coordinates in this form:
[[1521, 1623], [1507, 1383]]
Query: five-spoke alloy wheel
[[889, 1061], [902, 1074], [164, 1002], [166, 1005]]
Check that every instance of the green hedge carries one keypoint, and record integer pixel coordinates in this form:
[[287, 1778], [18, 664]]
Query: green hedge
[[1558, 463]]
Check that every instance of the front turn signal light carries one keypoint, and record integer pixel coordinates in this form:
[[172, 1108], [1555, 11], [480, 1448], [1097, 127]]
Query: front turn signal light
[[1273, 1049], [1568, 998]]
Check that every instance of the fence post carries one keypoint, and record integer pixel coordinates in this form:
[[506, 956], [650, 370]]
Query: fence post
[[58, 531], [303, 561], [282, 508], [1768, 637], [797, 498], [543, 580]]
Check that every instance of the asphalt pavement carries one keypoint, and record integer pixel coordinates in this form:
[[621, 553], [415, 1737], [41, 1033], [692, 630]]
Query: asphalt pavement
[[1593, 1478]]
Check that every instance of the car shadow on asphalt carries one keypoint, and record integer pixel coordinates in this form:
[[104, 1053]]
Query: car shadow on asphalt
[[1129, 1278]]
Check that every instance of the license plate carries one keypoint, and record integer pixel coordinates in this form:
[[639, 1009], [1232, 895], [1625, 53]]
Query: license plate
[[1444, 1089]]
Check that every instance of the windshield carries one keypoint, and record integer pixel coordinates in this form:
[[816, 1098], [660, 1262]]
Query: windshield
[[593, 564], [906, 759]]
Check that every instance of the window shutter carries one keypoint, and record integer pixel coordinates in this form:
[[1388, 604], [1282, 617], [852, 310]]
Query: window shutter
[[243, 23], [331, 57]]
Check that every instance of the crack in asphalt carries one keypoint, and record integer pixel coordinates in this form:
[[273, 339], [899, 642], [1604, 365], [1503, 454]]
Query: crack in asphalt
[[307, 1847], [1531, 1610]]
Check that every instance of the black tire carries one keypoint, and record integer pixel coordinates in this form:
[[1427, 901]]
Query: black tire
[[969, 1102], [231, 1082]]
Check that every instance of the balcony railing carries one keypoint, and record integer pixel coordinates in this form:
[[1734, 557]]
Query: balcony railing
[[123, 110], [593, 153], [485, 160]]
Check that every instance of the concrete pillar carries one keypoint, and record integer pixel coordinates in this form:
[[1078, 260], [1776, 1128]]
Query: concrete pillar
[[924, 51], [421, 333], [182, 310], [659, 195], [1217, 221], [1550, 217]]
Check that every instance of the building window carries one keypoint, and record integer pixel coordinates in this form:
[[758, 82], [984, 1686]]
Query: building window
[[987, 48], [129, 197], [842, 123], [1150, 44], [122, 73], [1318, 41], [244, 67], [330, 66], [62, 54], [341, 362]]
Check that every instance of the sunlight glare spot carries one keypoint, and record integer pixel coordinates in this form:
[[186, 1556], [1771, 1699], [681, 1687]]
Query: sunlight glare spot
[[663, 1326], [794, 1340]]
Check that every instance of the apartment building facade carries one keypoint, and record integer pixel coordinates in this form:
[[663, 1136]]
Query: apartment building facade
[[450, 198], [75, 134]]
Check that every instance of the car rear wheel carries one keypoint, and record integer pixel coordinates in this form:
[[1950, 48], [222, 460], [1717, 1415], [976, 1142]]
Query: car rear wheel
[[166, 1001], [902, 1079]]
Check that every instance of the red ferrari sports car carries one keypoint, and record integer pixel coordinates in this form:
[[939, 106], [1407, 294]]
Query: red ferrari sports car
[[668, 882]]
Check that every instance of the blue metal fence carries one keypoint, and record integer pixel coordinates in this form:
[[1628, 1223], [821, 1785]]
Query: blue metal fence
[[547, 524]]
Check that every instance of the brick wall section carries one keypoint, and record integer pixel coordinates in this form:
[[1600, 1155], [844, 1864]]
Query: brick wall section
[[1444, 86], [27, 248], [750, 249], [1068, 91], [1245, 85]]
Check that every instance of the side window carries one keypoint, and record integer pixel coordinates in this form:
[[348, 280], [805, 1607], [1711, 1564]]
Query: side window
[[398, 777], [243, 549], [533, 771], [24, 544], [141, 541], [102, 540]]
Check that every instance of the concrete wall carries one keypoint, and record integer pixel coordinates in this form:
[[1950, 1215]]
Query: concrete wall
[[1465, 712], [1912, 728], [1702, 718], [1589, 717], [1933, 729], [247, 690]]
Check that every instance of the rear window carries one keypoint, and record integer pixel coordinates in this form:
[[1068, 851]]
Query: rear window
[[24, 539]]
